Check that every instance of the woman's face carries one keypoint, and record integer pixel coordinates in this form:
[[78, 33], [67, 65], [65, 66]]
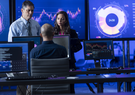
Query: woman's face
[[61, 20]]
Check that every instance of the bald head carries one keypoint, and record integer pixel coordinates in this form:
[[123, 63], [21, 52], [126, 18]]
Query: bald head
[[47, 31]]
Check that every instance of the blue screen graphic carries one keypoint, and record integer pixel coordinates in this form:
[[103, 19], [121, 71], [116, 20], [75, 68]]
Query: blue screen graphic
[[112, 19], [4, 19], [10, 64], [45, 12]]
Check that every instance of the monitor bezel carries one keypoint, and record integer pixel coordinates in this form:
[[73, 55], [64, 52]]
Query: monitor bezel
[[97, 58], [25, 37], [30, 47]]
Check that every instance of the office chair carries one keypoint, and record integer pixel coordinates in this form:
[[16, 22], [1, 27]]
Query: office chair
[[48, 67]]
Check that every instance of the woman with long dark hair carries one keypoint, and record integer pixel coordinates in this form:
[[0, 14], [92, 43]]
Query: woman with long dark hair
[[62, 27]]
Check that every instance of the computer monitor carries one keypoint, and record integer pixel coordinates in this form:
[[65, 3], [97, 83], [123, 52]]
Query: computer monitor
[[14, 56], [98, 49], [63, 40], [37, 39]]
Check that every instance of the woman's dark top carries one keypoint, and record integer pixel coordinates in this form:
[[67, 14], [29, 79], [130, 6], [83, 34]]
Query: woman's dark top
[[75, 46]]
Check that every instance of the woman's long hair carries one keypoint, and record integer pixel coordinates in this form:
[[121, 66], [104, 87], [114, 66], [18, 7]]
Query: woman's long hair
[[67, 26]]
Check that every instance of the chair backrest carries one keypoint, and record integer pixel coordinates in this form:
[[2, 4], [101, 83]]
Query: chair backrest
[[48, 67]]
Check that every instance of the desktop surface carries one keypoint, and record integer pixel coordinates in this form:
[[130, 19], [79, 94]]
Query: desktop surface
[[113, 93], [65, 80], [107, 71]]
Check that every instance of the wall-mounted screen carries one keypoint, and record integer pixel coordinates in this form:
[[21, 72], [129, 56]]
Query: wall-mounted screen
[[45, 12], [112, 19], [4, 19]]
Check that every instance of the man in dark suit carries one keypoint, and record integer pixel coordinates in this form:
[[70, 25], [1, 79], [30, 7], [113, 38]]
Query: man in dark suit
[[48, 49]]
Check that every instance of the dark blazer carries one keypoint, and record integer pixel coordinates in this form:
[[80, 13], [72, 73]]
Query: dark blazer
[[75, 46]]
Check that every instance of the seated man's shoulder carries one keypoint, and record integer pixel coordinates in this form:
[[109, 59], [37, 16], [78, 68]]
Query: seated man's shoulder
[[60, 46], [38, 48]]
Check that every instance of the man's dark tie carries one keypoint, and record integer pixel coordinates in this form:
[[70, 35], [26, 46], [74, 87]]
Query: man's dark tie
[[29, 29]]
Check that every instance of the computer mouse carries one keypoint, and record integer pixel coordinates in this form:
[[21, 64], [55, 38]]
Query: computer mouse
[[53, 76], [72, 69], [120, 67]]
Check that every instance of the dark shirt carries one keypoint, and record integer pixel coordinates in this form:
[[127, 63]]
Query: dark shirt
[[48, 49], [75, 46]]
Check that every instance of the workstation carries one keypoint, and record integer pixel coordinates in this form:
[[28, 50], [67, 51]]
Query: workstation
[[100, 79], [97, 26]]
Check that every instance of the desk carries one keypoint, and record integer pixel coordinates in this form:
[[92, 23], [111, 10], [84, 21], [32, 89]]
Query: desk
[[120, 93], [119, 71], [81, 79]]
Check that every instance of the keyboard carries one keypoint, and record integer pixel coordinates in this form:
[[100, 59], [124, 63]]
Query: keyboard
[[26, 77], [103, 68]]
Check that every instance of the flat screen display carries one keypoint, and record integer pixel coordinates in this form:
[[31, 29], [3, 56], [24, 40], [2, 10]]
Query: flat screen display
[[4, 19], [14, 56], [112, 19], [98, 49], [45, 12]]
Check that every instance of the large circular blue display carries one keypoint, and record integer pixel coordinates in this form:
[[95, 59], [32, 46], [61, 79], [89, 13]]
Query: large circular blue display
[[111, 20]]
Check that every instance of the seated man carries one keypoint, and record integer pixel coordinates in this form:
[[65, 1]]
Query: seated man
[[48, 49]]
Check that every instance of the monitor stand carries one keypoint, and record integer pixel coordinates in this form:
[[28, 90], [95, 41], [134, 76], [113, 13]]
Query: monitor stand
[[97, 63]]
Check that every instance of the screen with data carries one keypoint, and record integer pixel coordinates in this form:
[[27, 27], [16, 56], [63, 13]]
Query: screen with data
[[14, 57], [4, 19], [112, 19], [45, 12], [98, 49]]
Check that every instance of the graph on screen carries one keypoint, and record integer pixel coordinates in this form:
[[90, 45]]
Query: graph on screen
[[98, 49], [91, 46], [45, 12], [53, 17]]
